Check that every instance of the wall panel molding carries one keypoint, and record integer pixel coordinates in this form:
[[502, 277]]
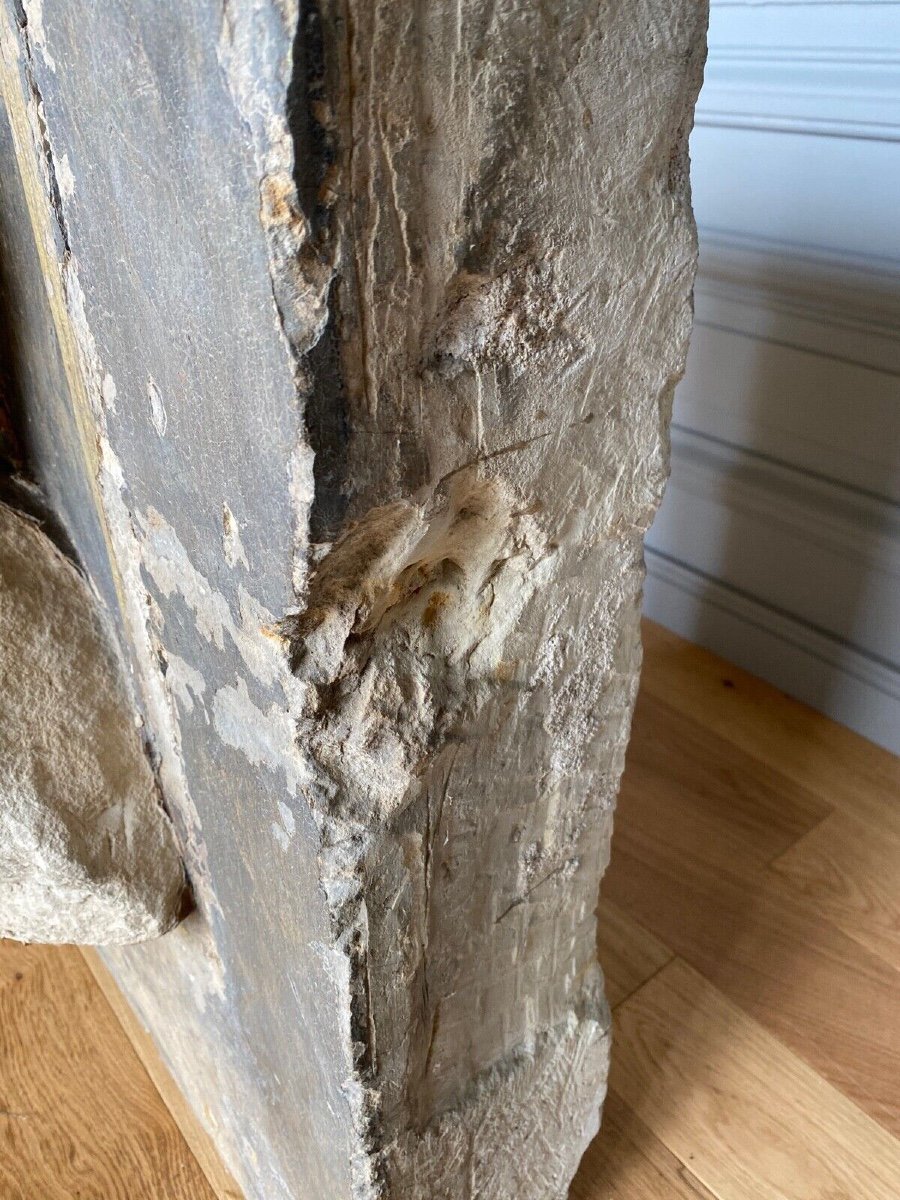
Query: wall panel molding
[[778, 543], [827, 673], [833, 91], [813, 4], [845, 305], [862, 529], [807, 407], [789, 574]]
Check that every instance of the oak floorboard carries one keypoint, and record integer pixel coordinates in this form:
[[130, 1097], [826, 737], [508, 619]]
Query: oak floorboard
[[825, 996], [849, 873], [691, 863], [752, 1119], [80, 1119], [627, 1162], [745, 811], [17, 959], [629, 954], [844, 769]]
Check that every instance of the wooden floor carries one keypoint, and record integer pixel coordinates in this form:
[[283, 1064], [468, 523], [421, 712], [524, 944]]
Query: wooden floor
[[750, 932]]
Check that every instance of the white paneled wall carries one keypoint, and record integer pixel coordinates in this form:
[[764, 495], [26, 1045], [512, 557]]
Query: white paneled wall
[[778, 544]]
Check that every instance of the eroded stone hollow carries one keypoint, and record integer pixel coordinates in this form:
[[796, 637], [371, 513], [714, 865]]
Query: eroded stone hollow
[[413, 288]]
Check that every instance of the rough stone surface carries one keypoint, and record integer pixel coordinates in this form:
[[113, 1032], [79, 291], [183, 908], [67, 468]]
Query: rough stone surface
[[86, 852], [412, 285]]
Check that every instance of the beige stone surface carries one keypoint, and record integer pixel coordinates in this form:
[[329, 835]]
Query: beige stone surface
[[86, 852], [514, 254]]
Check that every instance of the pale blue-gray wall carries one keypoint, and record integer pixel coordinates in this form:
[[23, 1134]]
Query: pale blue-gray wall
[[778, 544]]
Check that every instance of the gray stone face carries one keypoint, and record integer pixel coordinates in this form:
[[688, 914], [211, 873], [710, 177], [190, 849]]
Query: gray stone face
[[371, 315], [86, 852]]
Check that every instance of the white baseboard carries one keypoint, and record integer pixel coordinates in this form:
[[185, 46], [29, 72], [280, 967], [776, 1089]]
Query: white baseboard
[[851, 687]]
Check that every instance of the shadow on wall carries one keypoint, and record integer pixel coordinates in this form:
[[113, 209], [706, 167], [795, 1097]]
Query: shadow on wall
[[783, 510], [778, 544]]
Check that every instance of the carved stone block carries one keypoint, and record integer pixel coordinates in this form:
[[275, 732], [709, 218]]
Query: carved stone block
[[370, 315]]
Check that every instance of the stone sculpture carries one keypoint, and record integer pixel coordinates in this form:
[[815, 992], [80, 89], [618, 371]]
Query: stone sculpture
[[368, 318]]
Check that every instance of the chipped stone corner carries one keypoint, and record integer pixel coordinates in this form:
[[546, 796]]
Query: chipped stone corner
[[253, 36], [521, 1129]]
